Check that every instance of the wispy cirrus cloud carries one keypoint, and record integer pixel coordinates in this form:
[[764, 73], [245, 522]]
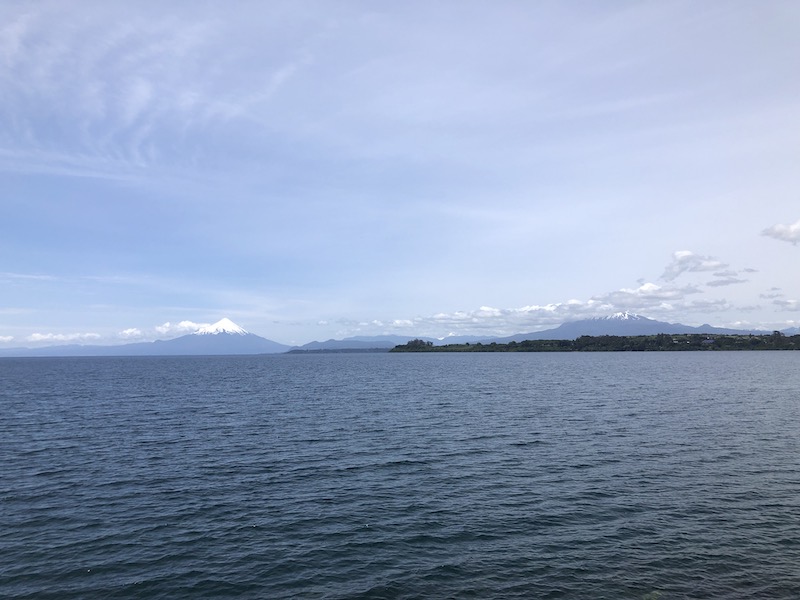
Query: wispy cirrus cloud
[[27, 277], [784, 233], [728, 277], [725, 281], [128, 85]]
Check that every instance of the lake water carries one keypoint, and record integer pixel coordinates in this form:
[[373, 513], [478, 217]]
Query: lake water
[[636, 475]]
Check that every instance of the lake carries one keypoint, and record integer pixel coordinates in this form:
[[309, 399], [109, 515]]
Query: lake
[[609, 475]]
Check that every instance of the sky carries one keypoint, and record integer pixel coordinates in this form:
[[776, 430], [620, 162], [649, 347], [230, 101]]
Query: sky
[[316, 170]]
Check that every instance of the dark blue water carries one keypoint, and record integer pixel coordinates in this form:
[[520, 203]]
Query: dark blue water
[[659, 475]]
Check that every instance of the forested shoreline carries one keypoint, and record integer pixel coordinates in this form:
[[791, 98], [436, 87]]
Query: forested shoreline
[[661, 342]]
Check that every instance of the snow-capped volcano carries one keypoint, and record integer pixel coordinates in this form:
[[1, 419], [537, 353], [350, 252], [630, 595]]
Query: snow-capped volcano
[[222, 326], [621, 323]]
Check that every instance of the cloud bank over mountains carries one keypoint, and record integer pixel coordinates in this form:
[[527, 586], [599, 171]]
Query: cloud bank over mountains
[[667, 300]]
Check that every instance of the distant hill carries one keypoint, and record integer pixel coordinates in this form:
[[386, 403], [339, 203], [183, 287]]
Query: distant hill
[[223, 337], [358, 343], [387, 342]]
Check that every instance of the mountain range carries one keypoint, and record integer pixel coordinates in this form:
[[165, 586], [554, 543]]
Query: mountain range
[[623, 323], [226, 338], [223, 337]]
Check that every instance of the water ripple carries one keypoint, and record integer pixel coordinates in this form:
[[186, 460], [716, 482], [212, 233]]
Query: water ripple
[[383, 476]]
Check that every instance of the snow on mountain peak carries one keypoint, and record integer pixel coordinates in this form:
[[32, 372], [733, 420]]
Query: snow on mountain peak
[[623, 316], [222, 326]]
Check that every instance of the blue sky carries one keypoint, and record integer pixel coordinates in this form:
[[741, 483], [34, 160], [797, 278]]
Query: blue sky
[[324, 169]]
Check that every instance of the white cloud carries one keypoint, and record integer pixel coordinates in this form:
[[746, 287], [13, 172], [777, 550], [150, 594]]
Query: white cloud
[[488, 311], [646, 296], [63, 337], [687, 261], [6, 338], [132, 332], [180, 328], [785, 233]]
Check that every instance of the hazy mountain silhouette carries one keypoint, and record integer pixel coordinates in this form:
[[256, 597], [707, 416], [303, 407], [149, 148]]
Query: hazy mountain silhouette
[[223, 337], [620, 324]]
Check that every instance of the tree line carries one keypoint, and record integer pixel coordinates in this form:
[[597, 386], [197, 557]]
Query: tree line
[[622, 343]]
